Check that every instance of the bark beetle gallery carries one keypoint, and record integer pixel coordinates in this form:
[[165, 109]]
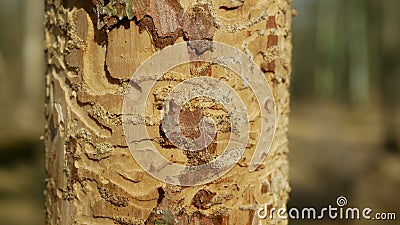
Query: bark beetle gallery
[[93, 49]]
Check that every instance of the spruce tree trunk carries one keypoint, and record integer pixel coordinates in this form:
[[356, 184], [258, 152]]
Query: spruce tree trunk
[[93, 48]]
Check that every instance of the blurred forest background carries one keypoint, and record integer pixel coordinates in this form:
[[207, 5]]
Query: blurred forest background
[[345, 120]]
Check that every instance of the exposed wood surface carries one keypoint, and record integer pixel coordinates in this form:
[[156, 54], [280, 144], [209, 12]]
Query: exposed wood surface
[[92, 50]]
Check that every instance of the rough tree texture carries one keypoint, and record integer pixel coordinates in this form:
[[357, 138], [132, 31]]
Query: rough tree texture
[[92, 49]]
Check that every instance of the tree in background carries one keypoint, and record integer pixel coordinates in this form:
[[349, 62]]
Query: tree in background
[[387, 33]]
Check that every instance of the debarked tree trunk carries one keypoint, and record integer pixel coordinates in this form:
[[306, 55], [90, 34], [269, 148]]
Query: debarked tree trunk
[[93, 48]]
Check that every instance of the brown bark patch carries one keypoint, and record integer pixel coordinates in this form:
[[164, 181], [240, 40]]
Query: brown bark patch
[[268, 66], [271, 23], [147, 23], [167, 16], [189, 120], [272, 40], [199, 25], [203, 199]]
